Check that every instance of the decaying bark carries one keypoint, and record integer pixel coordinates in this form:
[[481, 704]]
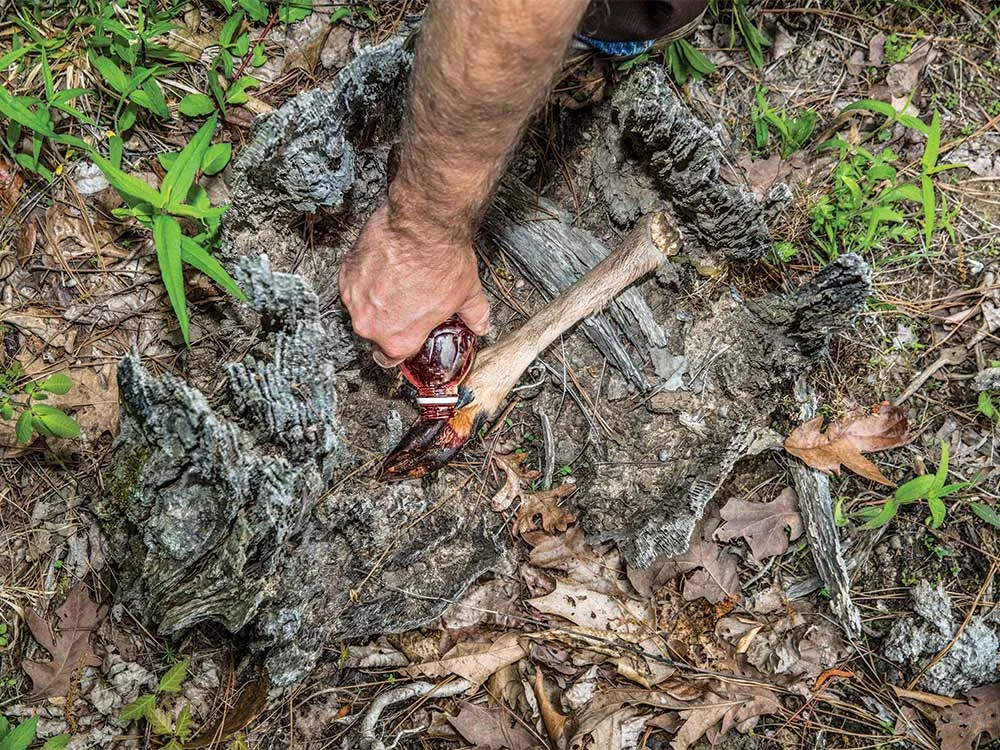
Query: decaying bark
[[816, 506], [259, 510]]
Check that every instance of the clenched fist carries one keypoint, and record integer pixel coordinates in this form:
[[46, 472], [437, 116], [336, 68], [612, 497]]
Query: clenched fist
[[403, 278]]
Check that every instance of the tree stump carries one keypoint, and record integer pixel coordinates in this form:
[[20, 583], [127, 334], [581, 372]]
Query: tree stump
[[258, 508]]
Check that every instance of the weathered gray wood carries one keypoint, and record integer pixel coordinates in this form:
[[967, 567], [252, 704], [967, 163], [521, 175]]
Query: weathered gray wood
[[816, 506], [541, 240]]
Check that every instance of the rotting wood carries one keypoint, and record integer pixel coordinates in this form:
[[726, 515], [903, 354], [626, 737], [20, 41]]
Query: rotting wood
[[816, 507]]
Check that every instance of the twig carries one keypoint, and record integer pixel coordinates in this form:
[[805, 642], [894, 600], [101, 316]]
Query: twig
[[548, 442], [368, 740]]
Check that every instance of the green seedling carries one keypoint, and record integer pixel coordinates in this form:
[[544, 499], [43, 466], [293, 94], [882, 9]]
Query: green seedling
[[928, 487], [157, 709], [179, 198], [21, 400], [895, 50], [685, 61], [23, 735], [793, 131], [753, 40]]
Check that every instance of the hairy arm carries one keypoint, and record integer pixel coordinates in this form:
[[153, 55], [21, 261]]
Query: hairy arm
[[482, 68]]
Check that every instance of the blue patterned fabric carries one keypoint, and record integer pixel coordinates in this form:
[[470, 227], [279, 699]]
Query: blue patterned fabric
[[617, 49]]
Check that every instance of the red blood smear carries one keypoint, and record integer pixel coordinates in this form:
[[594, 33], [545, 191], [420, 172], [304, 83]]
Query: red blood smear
[[440, 366]]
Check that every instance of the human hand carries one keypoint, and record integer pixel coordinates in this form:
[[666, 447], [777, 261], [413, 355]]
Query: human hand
[[402, 279]]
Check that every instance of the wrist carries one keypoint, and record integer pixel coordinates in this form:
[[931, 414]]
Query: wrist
[[431, 217]]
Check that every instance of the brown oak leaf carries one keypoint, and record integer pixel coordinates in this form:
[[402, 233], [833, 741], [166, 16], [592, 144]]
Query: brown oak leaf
[[762, 524], [516, 476], [844, 441], [960, 725], [70, 647], [473, 661], [714, 575], [544, 505], [492, 727]]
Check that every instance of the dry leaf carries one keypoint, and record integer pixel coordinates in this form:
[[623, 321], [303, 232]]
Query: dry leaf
[[844, 441], [553, 720], [735, 706], [491, 601], [941, 701], [492, 727], [621, 730], [569, 553], [715, 575], [697, 721], [903, 77], [959, 726], [93, 400], [553, 518], [513, 483], [248, 704], [473, 661], [594, 610], [762, 524], [70, 647]]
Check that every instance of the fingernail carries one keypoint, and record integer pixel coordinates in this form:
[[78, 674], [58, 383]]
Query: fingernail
[[383, 361]]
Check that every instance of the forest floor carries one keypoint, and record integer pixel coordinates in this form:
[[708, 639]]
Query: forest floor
[[884, 120]]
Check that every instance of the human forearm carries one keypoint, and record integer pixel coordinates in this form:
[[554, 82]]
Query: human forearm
[[482, 69]]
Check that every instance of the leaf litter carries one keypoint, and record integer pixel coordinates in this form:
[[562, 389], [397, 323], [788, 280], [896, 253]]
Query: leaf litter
[[843, 441], [69, 645], [763, 525]]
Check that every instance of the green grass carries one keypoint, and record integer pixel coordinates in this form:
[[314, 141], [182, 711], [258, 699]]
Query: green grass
[[133, 87], [791, 131]]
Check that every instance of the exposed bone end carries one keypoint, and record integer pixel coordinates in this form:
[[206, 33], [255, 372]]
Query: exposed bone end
[[665, 235]]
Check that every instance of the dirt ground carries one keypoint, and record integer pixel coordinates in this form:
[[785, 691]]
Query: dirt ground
[[731, 645]]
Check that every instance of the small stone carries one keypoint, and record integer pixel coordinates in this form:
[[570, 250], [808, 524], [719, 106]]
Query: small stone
[[336, 51], [663, 456], [90, 179]]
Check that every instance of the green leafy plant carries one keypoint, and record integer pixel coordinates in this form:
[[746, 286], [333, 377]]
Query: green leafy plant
[[986, 513], [179, 199], [158, 709], [35, 115], [131, 44], [895, 50], [987, 407], [865, 207], [23, 735], [793, 131], [686, 61], [753, 39], [21, 398], [987, 404], [928, 487], [924, 193], [639, 59], [349, 11], [3, 635]]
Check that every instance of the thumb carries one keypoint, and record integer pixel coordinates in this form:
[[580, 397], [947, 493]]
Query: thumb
[[475, 313]]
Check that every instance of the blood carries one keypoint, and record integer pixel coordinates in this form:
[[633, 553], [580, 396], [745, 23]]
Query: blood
[[439, 367]]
